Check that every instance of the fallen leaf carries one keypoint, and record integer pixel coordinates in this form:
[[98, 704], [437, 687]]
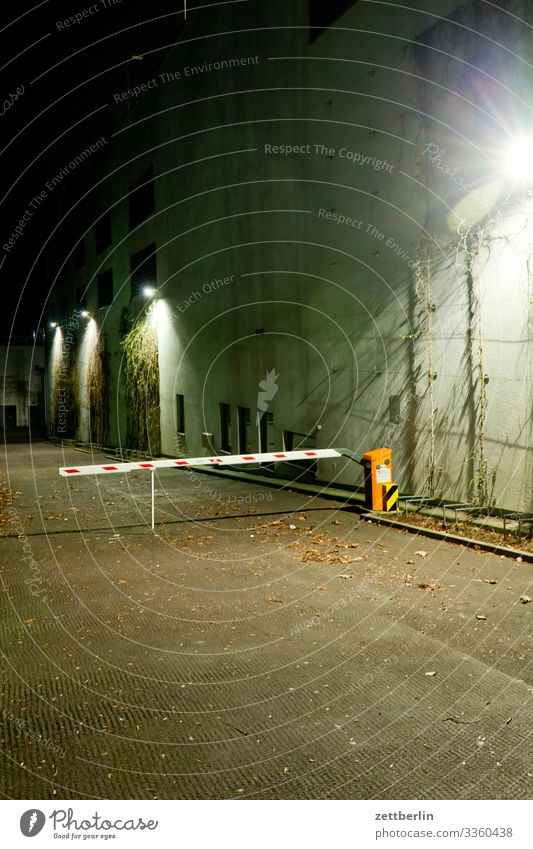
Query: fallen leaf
[[313, 555], [430, 674], [480, 616], [343, 558], [436, 585], [320, 538], [525, 599], [421, 553]]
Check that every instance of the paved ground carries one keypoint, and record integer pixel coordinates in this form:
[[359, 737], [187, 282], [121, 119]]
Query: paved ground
[[260, 644]]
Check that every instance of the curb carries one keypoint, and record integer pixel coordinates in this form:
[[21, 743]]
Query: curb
[[483, 545], [356, 501]]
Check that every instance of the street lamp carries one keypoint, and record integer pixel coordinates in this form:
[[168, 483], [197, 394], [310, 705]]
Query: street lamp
[[519, 160]]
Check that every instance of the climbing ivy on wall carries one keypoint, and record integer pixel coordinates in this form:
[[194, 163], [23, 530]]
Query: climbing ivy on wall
[[424, 293], [469, 248], [72, 396], [141, 382], [471, 245], [66, 395], [97, 390]]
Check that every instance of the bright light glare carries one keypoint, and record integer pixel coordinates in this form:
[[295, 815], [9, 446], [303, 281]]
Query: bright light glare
[[85, 314], [148, 291], [53, 324], [519, 160], [474, 206]]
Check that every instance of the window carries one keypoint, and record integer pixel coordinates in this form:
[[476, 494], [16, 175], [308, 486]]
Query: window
[[81, 300], [143, 270], [302, 470], [180, 413], [141, 198], [245, 435], [323, 15], [225, 427], [102, 233], [79, 255], [299, 441], [105, 288]]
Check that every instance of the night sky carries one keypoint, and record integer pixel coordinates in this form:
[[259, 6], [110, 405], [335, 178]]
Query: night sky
[[56, 80]]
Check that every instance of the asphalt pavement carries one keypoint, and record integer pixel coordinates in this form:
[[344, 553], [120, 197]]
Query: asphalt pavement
[[259, 644]]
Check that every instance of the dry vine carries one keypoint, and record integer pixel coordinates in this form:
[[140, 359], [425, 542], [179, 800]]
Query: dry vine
[[66, 393], [141, 377], [97, 391]]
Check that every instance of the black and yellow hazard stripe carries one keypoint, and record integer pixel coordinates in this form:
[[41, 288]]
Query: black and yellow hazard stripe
[[390, 497]]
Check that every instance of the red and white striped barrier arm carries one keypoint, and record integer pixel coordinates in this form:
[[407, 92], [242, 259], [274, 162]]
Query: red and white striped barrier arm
[[185, 462]]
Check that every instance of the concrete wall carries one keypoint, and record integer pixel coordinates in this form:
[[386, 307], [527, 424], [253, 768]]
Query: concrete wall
[[403, 302]]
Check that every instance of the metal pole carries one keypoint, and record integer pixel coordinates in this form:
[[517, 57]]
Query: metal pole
[[152, 478]]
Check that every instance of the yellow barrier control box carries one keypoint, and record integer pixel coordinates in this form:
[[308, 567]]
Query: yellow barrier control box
[[378, 471]]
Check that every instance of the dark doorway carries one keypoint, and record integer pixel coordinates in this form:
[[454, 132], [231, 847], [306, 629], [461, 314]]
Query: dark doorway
[[225, 428], [245, 429], [34, 418], [9, 417], [267, 433]]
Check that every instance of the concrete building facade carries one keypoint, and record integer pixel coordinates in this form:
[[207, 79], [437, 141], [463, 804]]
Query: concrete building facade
[[22, 369], [338, 253]]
